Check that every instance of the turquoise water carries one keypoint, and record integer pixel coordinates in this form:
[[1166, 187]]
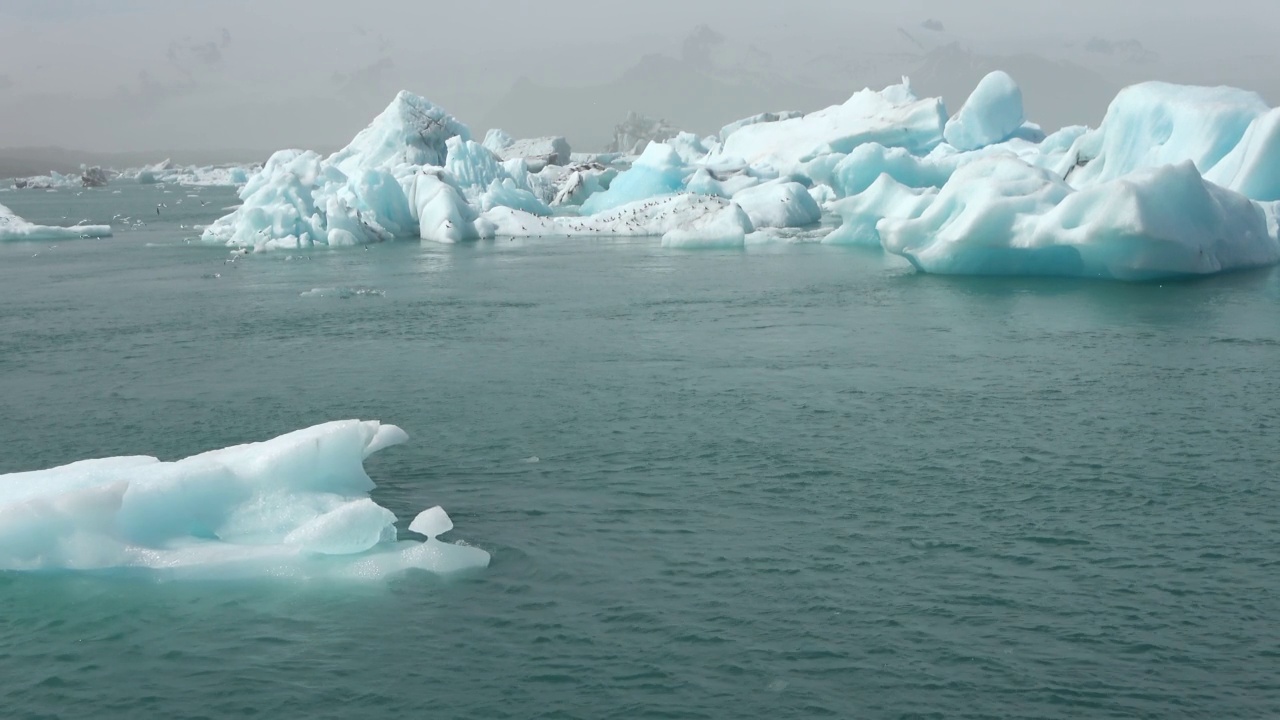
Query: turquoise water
[[790, 482]]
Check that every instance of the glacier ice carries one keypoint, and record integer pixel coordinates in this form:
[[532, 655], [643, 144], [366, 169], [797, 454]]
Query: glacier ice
[[992, 114], [13, 227], [1175, 180], [294, 506]]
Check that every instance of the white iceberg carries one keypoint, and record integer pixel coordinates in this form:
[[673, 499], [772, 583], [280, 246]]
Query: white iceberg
[[1175, 181], [13, 227], [294, 506]]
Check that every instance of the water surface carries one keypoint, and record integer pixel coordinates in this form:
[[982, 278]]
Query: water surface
[[787, 482]]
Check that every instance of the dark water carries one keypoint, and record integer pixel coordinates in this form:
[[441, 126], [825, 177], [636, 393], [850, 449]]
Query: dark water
[[789, 482]]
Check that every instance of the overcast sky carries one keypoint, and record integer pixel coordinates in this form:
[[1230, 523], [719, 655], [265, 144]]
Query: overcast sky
[[109, 75]]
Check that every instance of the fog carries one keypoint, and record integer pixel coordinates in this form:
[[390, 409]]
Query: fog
[[242, 77]]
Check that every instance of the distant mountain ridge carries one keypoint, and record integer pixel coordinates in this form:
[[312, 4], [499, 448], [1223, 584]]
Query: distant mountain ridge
[[28, 161]]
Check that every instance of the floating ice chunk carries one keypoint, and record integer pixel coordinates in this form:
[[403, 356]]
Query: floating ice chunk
[[410, 131], [342, 292], [992, 114], [296, 505], [892, 117], [432, 522], [13, 227], [779, 204], [658, 171]]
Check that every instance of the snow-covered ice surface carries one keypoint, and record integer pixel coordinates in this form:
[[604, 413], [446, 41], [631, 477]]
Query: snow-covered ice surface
[[294, 506], [1175, 181], [13, 227]]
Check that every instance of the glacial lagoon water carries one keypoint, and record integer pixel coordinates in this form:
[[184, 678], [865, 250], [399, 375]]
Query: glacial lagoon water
[[788, 482]]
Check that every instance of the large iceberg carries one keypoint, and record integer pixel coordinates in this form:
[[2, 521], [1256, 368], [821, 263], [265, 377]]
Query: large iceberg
[[294, 506], [1174, 181], [13, 227]]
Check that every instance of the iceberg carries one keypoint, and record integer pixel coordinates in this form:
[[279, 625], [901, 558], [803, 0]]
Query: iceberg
[[294, 506], [15, 228], [1175, 181]]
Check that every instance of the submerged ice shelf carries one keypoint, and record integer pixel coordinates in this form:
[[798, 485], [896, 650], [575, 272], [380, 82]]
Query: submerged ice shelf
[[294, 506], [1175, 181]]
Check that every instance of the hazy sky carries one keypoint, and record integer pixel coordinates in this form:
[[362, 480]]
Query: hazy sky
[[111, 75]]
